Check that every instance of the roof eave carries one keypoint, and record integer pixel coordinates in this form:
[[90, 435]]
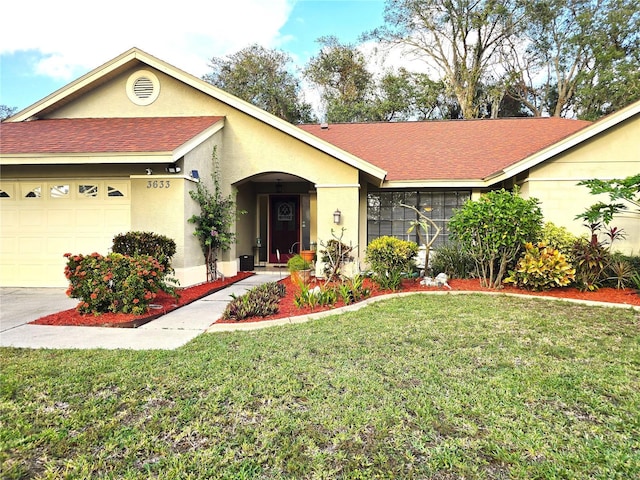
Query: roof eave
[[565, 144], [87, 158]]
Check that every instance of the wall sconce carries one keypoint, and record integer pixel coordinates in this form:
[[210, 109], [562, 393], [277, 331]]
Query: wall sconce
[[173, 169], [195, 175], [336, 216]]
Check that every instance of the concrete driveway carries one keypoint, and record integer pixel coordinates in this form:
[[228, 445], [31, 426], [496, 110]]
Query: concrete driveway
[[19, 306]]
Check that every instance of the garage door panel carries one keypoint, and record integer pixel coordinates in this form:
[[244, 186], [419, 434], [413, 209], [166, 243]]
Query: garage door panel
[[28, 217], [37, 232]]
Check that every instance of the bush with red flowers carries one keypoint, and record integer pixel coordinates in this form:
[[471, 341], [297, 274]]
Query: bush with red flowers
[[115, 283]]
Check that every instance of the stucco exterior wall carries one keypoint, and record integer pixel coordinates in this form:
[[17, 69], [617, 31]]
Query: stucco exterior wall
[[612, 154]]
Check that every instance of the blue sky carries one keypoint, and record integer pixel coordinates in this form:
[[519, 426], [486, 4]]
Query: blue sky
[[39, 54]]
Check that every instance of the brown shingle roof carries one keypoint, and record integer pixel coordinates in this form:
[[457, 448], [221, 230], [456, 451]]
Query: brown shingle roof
[[446, 150], [100, 135]]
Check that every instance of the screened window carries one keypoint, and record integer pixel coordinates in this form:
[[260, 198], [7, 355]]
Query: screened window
[[387, 216]]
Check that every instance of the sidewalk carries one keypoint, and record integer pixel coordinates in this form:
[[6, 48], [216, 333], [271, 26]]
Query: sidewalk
[[19, 306]]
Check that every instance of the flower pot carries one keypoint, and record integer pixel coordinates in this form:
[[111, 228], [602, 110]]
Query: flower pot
[[307, 255], [301, 276]]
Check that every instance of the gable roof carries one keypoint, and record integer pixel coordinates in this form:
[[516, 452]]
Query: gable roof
[[124, 61], [101, 135], [447, 150]]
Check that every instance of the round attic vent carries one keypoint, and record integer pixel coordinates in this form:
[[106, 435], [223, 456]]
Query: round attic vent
[[143, 87]]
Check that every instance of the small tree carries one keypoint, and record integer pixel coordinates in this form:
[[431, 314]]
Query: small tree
[[599, 215], [217, 216], [493, 230], [424, 223]]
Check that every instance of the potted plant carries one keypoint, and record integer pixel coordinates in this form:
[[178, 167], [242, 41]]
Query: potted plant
[[299, 268]]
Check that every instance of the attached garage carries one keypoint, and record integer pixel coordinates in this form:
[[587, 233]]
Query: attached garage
[[43, 220]]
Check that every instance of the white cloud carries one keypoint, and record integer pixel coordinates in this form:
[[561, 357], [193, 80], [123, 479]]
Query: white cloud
[[73, 36]]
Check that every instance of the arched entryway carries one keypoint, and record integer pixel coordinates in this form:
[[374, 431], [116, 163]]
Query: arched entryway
[[279, 217]]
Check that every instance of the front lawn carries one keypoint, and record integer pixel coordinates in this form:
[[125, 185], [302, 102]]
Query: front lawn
[[436, 387]]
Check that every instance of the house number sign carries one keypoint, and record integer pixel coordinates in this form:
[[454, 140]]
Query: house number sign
[[159, 184]]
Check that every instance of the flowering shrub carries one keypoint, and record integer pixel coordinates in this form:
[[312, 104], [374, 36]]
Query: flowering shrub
[[115, 283], [540, 268]]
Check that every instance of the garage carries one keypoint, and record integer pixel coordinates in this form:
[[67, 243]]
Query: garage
[[44, 219]]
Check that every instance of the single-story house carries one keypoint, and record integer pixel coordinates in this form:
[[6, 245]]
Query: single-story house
[[120, 148]]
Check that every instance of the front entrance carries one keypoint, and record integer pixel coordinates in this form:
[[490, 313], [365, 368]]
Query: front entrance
[[284, 227]]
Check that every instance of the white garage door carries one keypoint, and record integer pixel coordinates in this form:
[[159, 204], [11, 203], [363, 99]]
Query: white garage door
[[40, 221]]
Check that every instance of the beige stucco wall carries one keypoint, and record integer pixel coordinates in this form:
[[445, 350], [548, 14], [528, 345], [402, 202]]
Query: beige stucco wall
[[246, 147], [613, 154]]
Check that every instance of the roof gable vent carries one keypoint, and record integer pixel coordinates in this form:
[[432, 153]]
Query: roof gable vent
[[143, 87]]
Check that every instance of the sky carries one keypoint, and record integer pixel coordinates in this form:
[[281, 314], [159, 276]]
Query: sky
[[46, 44]]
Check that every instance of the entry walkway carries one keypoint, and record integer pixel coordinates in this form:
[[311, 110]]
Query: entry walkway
[[19, 306]]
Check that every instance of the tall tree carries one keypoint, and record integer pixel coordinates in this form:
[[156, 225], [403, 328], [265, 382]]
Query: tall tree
[[261, 77], [6, 111], [462, 39], [341, 73], [580, 57]]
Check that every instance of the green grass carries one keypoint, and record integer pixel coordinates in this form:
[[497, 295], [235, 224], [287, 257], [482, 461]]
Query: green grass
[[440, 387]]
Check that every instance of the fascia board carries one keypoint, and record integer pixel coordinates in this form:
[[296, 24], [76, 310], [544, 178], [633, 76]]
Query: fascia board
[[84, 159], [74, 86], [189, 145], [463, 183]]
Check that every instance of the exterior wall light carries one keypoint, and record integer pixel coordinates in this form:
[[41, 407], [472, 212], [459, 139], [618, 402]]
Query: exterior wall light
[[336, 216], [173, 169]]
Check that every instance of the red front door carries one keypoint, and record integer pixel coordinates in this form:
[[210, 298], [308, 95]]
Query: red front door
[[284, 227]]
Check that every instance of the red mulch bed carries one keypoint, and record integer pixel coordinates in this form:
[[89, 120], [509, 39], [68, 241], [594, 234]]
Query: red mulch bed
[[608, 295], [165, 303], [288, 309]]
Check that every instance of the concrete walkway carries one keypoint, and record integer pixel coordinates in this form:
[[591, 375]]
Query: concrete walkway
[[19, 306]]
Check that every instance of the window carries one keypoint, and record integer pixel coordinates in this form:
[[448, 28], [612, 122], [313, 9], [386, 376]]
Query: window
[[87, 191], [59, 191], [387, 216], [114, 192], [33, 192]]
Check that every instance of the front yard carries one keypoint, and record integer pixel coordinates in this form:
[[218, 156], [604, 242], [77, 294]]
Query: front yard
[[417, 387]]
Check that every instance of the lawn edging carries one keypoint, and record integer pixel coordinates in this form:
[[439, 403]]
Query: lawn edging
[[260, 324]]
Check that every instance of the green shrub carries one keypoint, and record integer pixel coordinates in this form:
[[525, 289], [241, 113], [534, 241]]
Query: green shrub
[[591, 260], [559, 238], [297, 263], [452, 260], [317, 296], [115, 283], [146, 243], [260, 301], [493, 229], [619, 273], [541, 267], [353, 290], [391, 259]]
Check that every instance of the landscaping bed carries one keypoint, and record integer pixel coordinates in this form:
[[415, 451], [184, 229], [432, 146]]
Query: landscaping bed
[[163, 304], [289, 309], [166, 303]]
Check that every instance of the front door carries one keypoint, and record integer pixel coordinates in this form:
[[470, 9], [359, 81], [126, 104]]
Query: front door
[[284, 227]]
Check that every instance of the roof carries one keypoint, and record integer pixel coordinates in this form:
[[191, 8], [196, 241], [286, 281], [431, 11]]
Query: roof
[[133, 56], [101, 135], [447, 150]]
